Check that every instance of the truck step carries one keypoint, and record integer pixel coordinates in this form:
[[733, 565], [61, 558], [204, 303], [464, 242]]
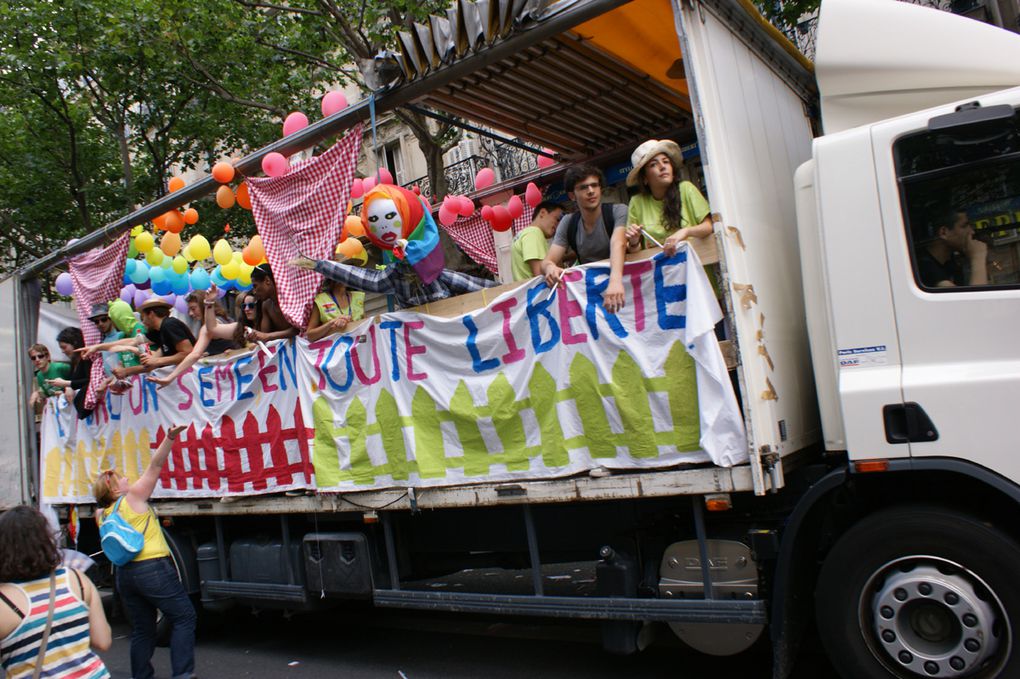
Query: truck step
[[592, 608], [255, 590]]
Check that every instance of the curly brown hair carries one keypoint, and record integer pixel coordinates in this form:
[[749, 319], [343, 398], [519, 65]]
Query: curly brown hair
[[28, 547]]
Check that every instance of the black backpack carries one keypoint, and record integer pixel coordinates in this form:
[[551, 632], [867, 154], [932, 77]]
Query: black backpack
[[575, 223]]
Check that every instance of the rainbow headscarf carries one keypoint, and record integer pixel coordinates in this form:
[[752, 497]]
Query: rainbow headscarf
[[418, 228]]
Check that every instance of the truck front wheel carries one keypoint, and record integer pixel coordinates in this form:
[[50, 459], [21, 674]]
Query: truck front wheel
[[921, 592]]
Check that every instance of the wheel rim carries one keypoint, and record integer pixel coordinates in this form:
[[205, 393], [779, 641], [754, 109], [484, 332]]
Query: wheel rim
[[925, 616]]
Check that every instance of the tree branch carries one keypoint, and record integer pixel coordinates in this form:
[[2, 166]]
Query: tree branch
[[282, 8]]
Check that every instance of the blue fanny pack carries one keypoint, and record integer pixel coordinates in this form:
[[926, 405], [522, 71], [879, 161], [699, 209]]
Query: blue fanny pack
[[121, 542]]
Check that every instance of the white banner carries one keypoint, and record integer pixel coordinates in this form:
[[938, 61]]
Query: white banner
[[536, 384]]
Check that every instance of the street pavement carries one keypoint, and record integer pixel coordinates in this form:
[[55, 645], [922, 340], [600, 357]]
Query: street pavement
[[364, 643]]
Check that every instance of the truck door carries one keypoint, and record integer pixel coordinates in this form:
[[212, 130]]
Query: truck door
[[949, 185]]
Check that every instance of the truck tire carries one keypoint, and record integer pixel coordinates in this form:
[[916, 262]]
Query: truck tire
[[921, 592]]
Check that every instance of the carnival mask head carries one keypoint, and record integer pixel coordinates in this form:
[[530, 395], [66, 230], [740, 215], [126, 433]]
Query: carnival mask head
[[399, 223]]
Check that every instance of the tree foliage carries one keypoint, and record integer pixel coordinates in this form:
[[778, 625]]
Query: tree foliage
[[786, 13]]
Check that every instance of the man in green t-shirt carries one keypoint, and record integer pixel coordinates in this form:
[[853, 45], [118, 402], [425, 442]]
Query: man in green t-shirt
[[45, 369], [532, 243]]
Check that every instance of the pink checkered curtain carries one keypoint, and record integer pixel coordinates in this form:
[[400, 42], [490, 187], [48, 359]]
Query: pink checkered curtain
[[302, 212], [474, 236], [97, 276]]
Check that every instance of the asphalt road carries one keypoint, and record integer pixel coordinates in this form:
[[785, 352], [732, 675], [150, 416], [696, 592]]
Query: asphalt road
[[374, 644]]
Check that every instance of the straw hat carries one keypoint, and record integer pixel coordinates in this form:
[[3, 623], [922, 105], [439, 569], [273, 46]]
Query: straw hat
[[154, 303], [648, 150]]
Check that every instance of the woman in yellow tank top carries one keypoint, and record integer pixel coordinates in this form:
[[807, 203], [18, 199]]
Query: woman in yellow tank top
[[335, 307], [150, 581]]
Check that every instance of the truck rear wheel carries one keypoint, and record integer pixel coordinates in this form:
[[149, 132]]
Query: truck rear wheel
[[921, 592]]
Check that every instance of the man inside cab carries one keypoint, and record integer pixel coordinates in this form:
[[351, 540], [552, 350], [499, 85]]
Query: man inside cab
[[953, 257], [589, 230]]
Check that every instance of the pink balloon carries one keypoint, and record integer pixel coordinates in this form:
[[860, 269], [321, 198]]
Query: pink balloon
[[546, 161], [447, 217], [357, 188], [501, 218], [532, 195], [275, 164], [485, 178], [467, 207], [127, 293], [487, 213], [333, 101], [515, 207], [294, 122], [384, 176], [368, 183]]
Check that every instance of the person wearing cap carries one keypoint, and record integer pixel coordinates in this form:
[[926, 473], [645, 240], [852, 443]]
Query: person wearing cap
[[172, 338], [590, 230], [100, 315], [270, 323], [665, 208]]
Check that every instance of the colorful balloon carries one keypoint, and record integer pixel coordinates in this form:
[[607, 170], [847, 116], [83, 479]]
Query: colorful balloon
[[199, 279], [154, 256], [175, 184], [357, 188], [354, 226], [223, 172], [294, 122], [222, 254], [170, 244], [191, 216], [157, 275], [225, 197], [487, 213], [140, 296], [485, 178], [501, 218], [467, 207], [159, 222], [446, 216], [230, 270], [383, 176], [257, 249], [368, 183], [198, 246], [351, 248], [127, 293], [173, 222], [181, 304], [180, 264], [64, 285], [332, 102], [275, 164], [144, 242], [140, 274], [242, 195], [545, 161], [181, 285], [515, 206], [532, 195]]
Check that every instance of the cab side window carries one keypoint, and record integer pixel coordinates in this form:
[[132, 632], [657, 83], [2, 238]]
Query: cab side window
[[960, 192]]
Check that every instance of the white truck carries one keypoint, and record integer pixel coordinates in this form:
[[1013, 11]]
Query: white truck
[[869, 273]]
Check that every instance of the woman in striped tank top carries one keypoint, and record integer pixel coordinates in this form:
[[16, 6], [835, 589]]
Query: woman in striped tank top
[[28, 554]]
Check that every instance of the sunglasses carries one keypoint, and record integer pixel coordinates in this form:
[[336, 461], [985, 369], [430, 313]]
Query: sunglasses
[[248, 305], [38, 357]]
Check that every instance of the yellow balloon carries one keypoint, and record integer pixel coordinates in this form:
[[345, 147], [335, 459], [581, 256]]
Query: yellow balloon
[[222, 253], [144, 241], [135, 230], [238, 257], [180, 264], [230, 270], [186, 252], [244, 278], [154, 256], [199, 247], [170, 244]]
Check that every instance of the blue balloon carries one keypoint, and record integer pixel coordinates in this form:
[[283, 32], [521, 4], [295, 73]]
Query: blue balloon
[[241, 288], [217, 278], [161, 287], [130, 266], [227, 285], [127, 279], [200, 279], [157, 275], [141, 273], [180, 285]]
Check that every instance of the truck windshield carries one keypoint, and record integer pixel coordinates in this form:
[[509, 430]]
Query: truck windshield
[[960, 192]]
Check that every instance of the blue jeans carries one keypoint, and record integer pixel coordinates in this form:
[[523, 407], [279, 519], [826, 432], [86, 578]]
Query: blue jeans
[[145, 586]]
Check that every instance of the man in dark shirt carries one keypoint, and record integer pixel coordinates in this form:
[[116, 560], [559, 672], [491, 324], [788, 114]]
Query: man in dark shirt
[[938, 261], [174, 338]]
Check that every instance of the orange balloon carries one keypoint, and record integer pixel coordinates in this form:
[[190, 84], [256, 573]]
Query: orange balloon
[[249, 257], [159, 222], [351, 248], [175, 184], [191, 216], [226, 228], [173, 221], [258, 252], [223, 172], [243, 199], [170, 244], [225, 197], [354, 225]]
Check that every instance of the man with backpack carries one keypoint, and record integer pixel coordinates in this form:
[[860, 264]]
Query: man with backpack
[[588, 231]]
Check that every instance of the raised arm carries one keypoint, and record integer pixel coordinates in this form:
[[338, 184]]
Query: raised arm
[[200, 346], [141, 490]]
